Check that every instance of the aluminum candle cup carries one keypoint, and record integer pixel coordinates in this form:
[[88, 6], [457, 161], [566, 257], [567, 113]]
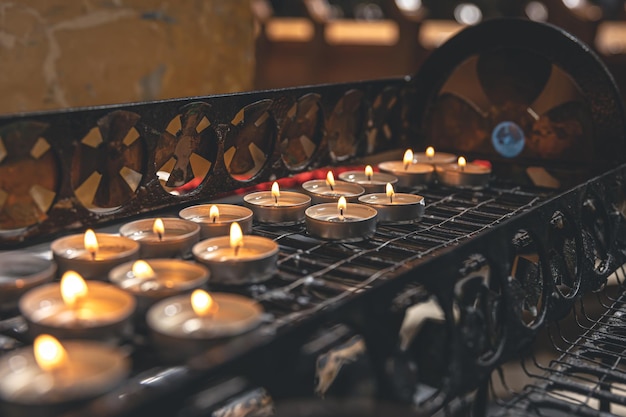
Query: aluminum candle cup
[[179, 332], [89, 370], [402, 208], [409, 176], [434, 158], [278, 207], [103, 314], [213, 226], [19, 272], [358, 222], [255, 261], [321, 192], [70, 254], [464, 175], [164, 278], [176, 240], [372, 184]]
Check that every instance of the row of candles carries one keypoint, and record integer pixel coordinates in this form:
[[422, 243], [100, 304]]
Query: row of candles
[[83, 306]]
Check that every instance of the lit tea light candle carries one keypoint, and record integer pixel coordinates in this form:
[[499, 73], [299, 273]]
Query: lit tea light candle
[[77, 309], [329, 190], [238, 259], [395, 207], [434, 158], [19, 272], [49, 376], [184, 325], [372, 182], [92, 255], [277, 207], [215, 219], [410, 173], [464, 175], [162, 238], [343, 221], [152, 280]]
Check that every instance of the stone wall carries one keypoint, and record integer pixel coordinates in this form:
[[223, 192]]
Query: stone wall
[[60, 53]]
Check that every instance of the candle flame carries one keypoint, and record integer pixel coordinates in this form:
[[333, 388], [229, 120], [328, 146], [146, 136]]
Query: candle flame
[[275, 191], [369, 172], [390, 192], [408, 158], [330, 180], [430, 152], [342, 204], [142, 270], [202, 303], [214, 213], [73, 288], [91, 243], [158, 228], [49, 353], [461, 162], [236, 237]]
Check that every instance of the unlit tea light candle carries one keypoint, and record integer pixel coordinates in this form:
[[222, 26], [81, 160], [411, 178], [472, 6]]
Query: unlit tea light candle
[[329, 190], [215, 219], [92, 255], [395, 207], [343, 221], [51, 374], [464, 175], [19, 272], [277, 207], [77, 309], [162, 238], [238, 259], [154, 279], [372, 182], [410, 173], [186, 325]]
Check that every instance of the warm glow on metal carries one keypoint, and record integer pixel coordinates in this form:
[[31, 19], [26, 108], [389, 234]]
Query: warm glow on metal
[[275, 191], [330, 180], [49, 353], [73, 288], [430, 152], [341, 206], [408, 158], [214, 213], [369, 172], [158, 228], [202, 303], [91, 242], [236, 237], [142, 270], [390, 192]]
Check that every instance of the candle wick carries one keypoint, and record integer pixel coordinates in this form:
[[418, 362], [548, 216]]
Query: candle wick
[[369, 178], [462, 168], [236, 248], [341, 213], [160, 236], [391, 199], [214, 219], [276, 199], [406, 166], [331, 187], [93, 255]]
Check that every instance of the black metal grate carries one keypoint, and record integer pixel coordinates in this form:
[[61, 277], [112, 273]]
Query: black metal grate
[[588, 377]]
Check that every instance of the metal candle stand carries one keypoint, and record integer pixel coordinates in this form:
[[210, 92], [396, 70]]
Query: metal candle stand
[[488, 264]]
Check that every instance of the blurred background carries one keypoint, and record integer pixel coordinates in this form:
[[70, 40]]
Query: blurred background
[[56, 54]]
